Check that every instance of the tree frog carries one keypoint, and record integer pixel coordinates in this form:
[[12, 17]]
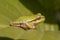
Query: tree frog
[[28, 22]]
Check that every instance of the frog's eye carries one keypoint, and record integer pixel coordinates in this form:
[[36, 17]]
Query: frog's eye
[[39, 14]]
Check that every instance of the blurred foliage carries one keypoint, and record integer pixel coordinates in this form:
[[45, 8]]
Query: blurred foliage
[[12, 9]]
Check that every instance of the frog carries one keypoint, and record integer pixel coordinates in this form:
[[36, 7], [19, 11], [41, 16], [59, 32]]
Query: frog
[[29, 21]]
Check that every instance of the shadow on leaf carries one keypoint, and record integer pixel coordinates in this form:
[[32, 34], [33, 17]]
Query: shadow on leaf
[[5, 38]]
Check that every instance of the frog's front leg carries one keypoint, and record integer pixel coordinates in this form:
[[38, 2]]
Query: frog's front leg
[[30, 25]]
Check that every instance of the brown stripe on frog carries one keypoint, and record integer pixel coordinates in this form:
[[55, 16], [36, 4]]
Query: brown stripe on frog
[[35, 19]]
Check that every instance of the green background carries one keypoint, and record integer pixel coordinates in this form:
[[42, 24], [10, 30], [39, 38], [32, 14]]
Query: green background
[[12, 9]]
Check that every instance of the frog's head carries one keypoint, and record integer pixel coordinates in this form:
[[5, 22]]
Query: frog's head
[[38, 19]]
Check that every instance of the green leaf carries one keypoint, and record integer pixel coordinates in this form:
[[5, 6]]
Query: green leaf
[[10, 10]]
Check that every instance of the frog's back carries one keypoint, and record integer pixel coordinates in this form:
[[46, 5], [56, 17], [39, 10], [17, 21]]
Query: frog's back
[[26, 18]]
